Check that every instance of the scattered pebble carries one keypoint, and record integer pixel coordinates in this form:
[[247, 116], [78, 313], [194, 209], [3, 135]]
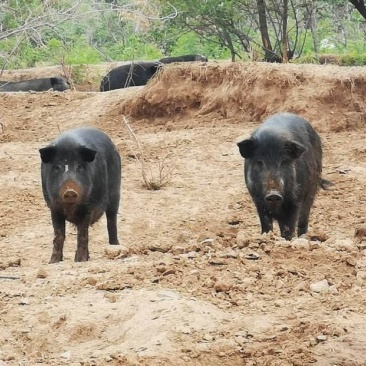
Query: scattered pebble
[[351, 261], [116, 252], [66, 355], [207, 241], [300, 242], [252, 256], [42, 273], [192, 255], [242, 240], [321, 338], [208, 338], [178, 250], [24, 301], [232, 254], [320, 286], [344, 244], [217, 261], [160, 248], [223, 285], [168, 272]]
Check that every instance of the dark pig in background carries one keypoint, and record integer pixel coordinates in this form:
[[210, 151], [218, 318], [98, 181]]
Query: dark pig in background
[[283, 166], [184, 58], [38, 85], [81, 179], [135, 74]]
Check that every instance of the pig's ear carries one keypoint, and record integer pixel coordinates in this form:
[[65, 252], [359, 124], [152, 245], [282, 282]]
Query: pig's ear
[[294, 149], [48, 153], [247, 148], [87, 154]]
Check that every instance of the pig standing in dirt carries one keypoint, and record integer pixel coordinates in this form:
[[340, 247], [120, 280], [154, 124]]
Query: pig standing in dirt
[[81, 179], [283, 165]]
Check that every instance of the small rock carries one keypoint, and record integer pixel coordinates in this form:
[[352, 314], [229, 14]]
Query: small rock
[[242, 239], [321, 338], [360, 233], [208, 338], [208, 242], [66, 355], [209, 283], [320, 286], [178, 250], [351, 261], [116, 252], [192, 255], [333, 289], [160, 248], [314, 246], [223, 285], [108, 359], [318, 235], [217, 261], [206, 238], [232, 254], [300, 242], [24, 301], [169, 272], [42, 273], [344, 244], [252, 256]]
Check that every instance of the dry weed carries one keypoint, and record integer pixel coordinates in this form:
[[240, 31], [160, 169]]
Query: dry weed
[[160, 176]]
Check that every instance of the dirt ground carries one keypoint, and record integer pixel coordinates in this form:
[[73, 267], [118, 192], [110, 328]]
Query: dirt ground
[[194, 282]]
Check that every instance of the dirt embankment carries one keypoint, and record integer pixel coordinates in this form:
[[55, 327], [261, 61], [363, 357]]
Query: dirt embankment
[[331, 97]]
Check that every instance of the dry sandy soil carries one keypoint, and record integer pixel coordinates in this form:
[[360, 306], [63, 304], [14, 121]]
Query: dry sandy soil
[[194, 282]]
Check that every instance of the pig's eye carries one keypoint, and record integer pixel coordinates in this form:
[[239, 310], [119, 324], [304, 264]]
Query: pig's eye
[[79, 167], [57, 168], [258, 164], [286, 162]]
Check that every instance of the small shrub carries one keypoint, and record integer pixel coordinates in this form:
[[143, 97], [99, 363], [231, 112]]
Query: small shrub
[[152, 178]]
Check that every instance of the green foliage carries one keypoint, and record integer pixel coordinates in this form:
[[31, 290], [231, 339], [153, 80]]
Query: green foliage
[[98, 32], [134, 49], [307, 58], [78, 73], [353, 59]]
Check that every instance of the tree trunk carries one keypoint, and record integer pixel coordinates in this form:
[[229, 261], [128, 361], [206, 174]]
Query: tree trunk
[[229, 43], [284, 32], [263, 28], [313, 27]]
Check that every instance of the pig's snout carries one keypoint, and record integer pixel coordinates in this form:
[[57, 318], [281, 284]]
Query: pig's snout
[[273, 198], [70, 192], [70, 196]]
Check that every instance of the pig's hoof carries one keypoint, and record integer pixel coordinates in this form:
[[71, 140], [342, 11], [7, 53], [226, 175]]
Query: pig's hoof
[[55, 258], [81, 257]]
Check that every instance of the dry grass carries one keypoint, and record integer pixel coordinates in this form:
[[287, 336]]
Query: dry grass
[[153, 178]]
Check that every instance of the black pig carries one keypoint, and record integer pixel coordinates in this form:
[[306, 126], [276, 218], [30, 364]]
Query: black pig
[[134, 74], [184, 58], [283, 165], [38, 85], [81, 179]]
